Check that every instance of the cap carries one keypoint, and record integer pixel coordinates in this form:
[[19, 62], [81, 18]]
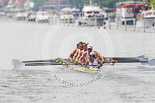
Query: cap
[[90, 47], [92, 54]]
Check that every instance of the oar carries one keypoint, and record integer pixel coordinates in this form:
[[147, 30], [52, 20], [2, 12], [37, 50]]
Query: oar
[[114, 58], [36, 61], [46, 64], [17, 64], [140, 59], [40, 61], [143, 61], [119, 61], [132, 60], [33, 61], [151, 62], [126, 58]]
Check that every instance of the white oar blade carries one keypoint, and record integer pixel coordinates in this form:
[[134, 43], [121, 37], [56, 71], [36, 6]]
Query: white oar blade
[[17, 64], [151, 62], [144, 59], [140, 57]]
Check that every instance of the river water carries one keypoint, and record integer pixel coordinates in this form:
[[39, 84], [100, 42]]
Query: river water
[[122, 83]]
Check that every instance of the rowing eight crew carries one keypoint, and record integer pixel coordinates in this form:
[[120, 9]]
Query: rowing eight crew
[[85, 55]]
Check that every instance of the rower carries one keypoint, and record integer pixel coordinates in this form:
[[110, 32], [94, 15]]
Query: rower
[[85, 46], [74, 52], [80, 49], [93, 62], [86, 54], [81, 52]]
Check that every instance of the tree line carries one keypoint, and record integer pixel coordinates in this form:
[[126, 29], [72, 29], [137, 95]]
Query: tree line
[[80, 3], [105, 3]]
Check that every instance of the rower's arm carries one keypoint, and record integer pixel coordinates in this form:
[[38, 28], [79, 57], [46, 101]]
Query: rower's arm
[[72, 54], [100, 63], [75, 55], [98, 55], [101, 58], [87, 63], [82, 57], [78, 57]]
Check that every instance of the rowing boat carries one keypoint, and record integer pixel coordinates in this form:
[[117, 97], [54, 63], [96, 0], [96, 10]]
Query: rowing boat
[[17, 64], [107, 60], [80, 68], [84, 69]]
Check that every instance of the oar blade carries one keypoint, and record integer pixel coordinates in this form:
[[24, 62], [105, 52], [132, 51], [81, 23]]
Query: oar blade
[[140, 57], [17, 64], [151, 62], [144, 59]]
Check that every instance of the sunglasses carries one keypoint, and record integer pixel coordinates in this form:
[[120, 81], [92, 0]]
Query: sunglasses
[[92, 55]]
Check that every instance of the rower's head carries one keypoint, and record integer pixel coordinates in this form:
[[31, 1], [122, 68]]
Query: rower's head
[[85, 46], [79, 44], [92, 55], [90, 48]]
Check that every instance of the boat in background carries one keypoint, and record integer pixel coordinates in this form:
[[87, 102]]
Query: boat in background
[[66, 16], [127, 11], [42, 17], [75, 12], [109, 13], [146, 19], [31, 17], [91, 15], [2, 14], [21, 16]]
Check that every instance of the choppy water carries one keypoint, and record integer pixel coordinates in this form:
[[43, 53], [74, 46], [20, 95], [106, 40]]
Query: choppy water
[[123, 83]]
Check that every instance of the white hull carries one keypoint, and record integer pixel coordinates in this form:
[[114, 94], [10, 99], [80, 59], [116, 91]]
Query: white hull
[[67, 18], [148, 23]]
